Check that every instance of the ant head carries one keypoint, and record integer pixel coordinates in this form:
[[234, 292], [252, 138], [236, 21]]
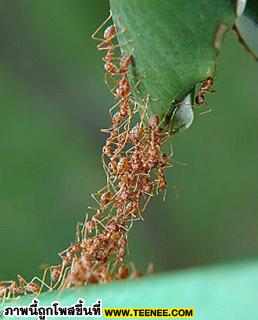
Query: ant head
[[110, 32], [154, 122], [209, 81]]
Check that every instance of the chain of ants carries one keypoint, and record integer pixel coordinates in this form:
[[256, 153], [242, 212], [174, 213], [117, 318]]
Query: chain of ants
[[134, 163]]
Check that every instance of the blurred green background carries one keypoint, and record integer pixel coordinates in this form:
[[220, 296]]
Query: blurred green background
[[53, 104]]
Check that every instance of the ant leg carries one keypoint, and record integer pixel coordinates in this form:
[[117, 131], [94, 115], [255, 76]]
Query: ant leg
[[63, 280], [109, 130], [60, 276], [78, 232], [113, 107], [130, 150], [108, 173], [140, 214], [127, 122], [115, 46], [157, 187], [93, 36], [112, 270], [108, 42], [102, 225], [147, 201], [105, 41], [42, 282], [22, 281], [63, 252], [4, 296], [10, 282], [164, 195], [83, 230], [106, 169], [182, 163], [204, 112], [44, 277], [137, 183], [171, 149], [50, 268], [150, 269], [131, 223], [92, 208], [111, 89], [97, 194], [176, 191], [110, 211], [93, 196], [144, 110]]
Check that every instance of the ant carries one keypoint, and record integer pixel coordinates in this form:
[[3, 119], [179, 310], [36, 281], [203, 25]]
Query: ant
[[22, 287], [106, 43], [206, 87]]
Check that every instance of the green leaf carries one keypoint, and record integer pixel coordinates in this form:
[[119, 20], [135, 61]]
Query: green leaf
[[222, 292], [247, 28], [174, 44]]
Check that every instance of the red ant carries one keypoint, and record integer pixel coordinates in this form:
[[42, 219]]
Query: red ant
[[23, 287], [106, 43], [206, 87]]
